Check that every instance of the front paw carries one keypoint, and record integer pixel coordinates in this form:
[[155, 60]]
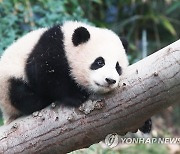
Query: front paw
[[88, 106]]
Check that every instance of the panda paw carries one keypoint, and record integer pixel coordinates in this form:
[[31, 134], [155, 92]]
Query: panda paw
[[146, 128], [87, 106]]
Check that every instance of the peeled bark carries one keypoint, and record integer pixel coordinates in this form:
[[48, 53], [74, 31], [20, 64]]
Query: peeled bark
[[146, 88]]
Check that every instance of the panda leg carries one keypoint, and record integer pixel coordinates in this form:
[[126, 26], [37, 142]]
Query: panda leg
[[24, 99], [146, 128]]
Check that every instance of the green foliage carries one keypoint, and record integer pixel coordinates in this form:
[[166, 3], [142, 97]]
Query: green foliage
[[1, 121], [129, 18], [146, 149], [134, 149], [18, 17], [176, 115]]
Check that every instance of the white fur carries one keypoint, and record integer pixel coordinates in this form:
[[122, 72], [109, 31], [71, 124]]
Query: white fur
[[12, 65], [103, 43]]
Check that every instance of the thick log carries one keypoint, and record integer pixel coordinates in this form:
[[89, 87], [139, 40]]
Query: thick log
[[146, 88]]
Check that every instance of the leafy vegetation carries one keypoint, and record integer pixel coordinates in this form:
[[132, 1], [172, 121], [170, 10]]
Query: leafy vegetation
[[134, 149], [127, 18], [160, 19], [1, 121], [18, 17]]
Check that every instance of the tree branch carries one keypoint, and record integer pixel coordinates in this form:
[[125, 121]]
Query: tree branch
[[148, 87]]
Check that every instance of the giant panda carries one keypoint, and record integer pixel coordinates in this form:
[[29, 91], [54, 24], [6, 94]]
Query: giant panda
[[65, 63]]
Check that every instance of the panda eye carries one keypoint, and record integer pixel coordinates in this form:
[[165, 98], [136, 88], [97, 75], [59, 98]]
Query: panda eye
[[98, 63], [118, 68]]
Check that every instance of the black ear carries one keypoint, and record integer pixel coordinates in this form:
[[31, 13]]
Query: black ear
[[125, 43], [80, 35]]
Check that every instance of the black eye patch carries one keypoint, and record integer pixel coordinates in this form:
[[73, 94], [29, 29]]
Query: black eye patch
[[118, 68], [98, 63]]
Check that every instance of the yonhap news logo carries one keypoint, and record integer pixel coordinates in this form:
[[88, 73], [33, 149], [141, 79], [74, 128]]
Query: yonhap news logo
[[112, 140], [166, 140]]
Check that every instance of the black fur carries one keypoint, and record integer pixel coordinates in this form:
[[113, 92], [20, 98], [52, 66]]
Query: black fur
[[80, 35], [125, 43], [98, 63], [118, 68], [146, 128], [48, 76], [24, 98]]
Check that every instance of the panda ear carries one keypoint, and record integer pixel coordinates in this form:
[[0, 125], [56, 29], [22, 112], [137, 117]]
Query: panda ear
[[124, 43], [80, 35]]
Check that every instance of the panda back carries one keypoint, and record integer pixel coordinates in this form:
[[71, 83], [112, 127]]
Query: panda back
[[13, 60]]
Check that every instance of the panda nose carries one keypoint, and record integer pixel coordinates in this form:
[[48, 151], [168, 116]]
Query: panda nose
[[110, 81]]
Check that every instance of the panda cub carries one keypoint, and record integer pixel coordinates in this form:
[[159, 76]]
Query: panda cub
[[65, 63]]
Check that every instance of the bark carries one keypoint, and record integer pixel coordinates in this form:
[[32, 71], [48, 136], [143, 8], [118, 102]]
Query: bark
[[146, 88]]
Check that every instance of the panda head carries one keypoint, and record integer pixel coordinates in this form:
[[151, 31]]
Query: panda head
[[96, 56]]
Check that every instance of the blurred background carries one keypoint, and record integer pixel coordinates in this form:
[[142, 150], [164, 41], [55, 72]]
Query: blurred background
[[148, 25]]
